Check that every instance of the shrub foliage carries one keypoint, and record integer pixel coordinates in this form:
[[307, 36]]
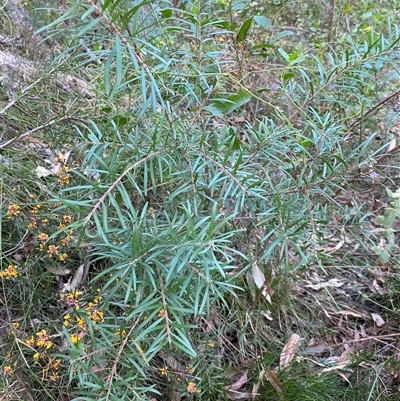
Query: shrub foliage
[[170, 176]]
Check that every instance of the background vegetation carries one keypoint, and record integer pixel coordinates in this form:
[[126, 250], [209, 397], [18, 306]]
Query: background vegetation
[[199, 200]]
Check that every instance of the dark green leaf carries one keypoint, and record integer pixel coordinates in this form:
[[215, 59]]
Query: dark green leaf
[[264, 46], [166, 13], [287, 76], [244, 29], [220, 107]]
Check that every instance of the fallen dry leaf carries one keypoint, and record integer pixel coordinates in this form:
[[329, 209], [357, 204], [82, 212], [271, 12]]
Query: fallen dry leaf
[[315, 349], [350, 313], [234, 395], [339, 366], [58, 270], [374, 287], [238, 383], [257, 276], [377, 319], [76, 280], [392, 145], [44, 172], [267, 316], [276, 383], [334, 282], [289, 351]]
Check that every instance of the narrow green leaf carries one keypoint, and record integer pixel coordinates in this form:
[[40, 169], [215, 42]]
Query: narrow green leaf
[[284, 54], [282, 34], [183, 342], [126, 18], [118, 60], [244, 29], [107, 72], [107, 3], [88, 12], [62, 18]]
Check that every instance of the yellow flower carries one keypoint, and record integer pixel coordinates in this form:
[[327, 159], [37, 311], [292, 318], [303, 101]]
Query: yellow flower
[[34, 211], [57, 364], [63, 178], [30, 341], [74, 338], [98, 299], [67, 219], [81, 323], [32, 225], [164, 371], [10, 272], [42, 237], [97, 316], [161, 313], [43, 339], [191, 388], [65, 241], [67, 319], [71, 298], [63, 257], [53, 250], [13, 210], [8, 370], [54, 377]]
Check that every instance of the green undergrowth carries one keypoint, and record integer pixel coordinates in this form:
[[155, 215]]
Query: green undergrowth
[[190, 202]]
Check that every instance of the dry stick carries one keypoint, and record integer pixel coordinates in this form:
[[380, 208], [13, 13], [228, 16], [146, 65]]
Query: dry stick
[[375, 108], [377, 338], [114, 367], [114, 29], [264, 287], [331, 15], [164, 305], [41, 127], [114, 184]]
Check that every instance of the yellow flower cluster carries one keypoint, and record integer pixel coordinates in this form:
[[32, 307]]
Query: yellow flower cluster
[[8, 370], [83, 315], [63, 176], [10, 272], [12, 211], [71, 298], [191, 388], [41, 339], [50, 366]]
